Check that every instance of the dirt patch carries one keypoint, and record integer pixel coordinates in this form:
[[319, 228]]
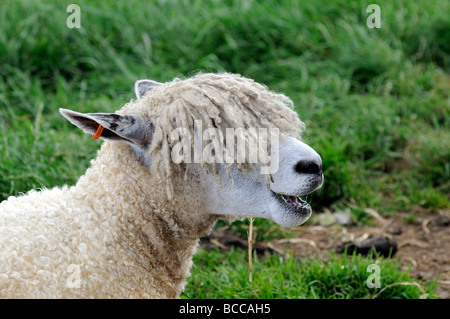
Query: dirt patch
[[423, 245]]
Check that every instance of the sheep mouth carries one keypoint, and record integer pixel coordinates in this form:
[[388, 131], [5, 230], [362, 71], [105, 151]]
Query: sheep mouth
[[294, 204]]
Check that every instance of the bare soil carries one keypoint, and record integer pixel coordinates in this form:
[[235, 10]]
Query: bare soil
[[422, 244]]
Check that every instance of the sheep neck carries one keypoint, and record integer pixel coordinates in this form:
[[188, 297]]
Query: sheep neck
[[159, 235]]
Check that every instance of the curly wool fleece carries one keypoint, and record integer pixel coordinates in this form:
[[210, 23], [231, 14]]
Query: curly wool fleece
[[117, 233]]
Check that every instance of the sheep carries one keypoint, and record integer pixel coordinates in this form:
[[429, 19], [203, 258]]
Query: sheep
[[130, 225]]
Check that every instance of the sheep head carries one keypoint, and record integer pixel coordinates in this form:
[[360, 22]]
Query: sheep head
[[217, 103]]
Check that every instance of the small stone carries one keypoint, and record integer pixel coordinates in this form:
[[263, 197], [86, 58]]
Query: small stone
[[343, 217], [394, 230], [442, 220], [383, 245], [325, 219]]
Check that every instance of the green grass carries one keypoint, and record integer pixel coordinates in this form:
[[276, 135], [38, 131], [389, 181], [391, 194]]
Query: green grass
[[376, 101], [219, 274]]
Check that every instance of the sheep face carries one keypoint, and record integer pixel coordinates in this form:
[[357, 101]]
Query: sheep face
[[246, 193], [295, 168]]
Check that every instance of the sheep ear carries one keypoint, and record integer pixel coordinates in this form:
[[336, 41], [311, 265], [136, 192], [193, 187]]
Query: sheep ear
[[127, 128], [141, 87]]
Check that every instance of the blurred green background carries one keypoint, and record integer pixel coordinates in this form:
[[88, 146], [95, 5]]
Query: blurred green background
[[376, 101]]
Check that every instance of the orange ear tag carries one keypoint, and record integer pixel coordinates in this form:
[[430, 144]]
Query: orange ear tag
[[97, 134]]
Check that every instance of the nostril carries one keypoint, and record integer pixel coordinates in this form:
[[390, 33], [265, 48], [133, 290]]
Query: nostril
[[308, 167]]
